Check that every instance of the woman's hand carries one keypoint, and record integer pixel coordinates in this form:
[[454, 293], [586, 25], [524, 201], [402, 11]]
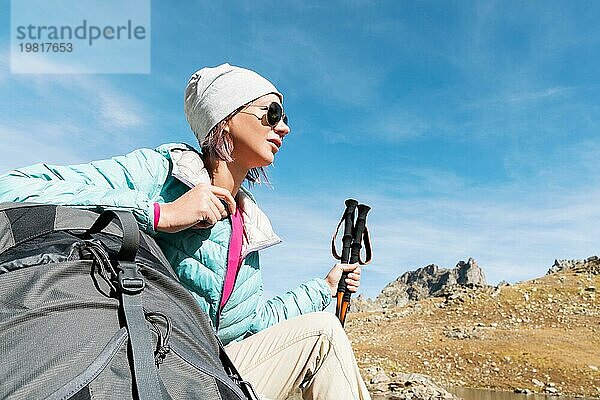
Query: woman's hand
[[200, 207], [352, 281]]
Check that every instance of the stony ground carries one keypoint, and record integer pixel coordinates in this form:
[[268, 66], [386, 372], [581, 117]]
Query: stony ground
[[541, 335]]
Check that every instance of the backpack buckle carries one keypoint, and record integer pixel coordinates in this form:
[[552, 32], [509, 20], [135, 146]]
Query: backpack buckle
[[129, 278]]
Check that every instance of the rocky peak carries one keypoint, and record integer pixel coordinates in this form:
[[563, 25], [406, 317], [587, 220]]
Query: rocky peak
[[590, 265], [429, 281], [469, 273]]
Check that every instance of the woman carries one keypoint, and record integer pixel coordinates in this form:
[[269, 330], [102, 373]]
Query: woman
[[211, 230]]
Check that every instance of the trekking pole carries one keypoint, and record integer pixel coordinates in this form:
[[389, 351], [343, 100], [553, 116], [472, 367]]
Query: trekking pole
[[348, 219], [351, 247]]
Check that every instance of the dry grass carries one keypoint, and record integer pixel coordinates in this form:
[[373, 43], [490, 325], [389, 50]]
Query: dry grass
[[545, 331]]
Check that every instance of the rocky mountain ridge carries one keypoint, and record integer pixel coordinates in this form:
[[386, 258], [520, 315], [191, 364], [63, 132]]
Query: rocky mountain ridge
[[590, 265], [429, 281]]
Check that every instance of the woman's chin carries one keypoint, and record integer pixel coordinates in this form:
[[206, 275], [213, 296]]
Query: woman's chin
[[265, 161], [269, 161], [269, 158]]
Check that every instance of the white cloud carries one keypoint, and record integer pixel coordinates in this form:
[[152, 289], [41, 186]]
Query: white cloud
[[118, 111], [24, 145], [33, 63], [529, 96], [65, 117], [111, 108]]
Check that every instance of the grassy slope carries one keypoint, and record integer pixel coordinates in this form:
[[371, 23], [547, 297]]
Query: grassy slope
[[547, 330]]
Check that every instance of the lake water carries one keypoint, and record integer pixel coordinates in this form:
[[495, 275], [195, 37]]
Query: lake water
[[484, 394]]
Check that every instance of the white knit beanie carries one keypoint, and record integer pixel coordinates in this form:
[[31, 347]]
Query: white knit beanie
[[214, 93]]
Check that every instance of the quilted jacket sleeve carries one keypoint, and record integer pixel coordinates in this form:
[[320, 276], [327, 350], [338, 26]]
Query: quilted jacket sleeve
[[311, 296], [132, 182]]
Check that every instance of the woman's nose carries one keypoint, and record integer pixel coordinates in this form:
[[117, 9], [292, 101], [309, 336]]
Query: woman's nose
[[281, 129]]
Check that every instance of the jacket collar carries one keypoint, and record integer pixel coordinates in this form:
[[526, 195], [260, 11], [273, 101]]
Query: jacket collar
[[188, 167], [258, 232]]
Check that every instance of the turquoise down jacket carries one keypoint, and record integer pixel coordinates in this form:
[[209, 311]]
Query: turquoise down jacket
[[199, 256]]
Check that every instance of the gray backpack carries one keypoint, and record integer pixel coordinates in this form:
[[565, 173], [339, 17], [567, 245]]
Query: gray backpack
[[91, 309]]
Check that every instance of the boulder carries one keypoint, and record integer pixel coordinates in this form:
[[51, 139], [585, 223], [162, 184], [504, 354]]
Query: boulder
[[409, 387]]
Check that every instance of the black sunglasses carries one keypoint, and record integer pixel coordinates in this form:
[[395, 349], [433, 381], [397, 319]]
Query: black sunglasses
[[274, 114]]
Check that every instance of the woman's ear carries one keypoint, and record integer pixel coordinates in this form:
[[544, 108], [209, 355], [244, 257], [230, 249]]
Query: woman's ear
[[227, 127], [227, 137]]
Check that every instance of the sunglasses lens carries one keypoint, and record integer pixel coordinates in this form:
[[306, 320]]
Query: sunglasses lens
[[285, 119], [274, 114]]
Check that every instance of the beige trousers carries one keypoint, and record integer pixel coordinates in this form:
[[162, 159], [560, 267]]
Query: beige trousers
[[310, 352]]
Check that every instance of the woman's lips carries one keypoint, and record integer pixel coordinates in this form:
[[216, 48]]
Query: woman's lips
[[276, 141]]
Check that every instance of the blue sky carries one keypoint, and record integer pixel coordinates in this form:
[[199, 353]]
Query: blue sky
[[470, 127]]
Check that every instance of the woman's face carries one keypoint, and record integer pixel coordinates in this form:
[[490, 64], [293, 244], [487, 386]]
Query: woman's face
[[254, 141]]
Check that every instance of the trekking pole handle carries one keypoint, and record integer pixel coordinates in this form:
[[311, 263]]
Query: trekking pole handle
[[349, 213], [361, 222]]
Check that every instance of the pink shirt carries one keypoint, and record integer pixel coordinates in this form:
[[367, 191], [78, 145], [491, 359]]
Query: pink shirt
[[234, 258]]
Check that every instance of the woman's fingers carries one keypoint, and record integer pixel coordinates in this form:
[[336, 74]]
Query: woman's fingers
[[210, 216], [354, 276], [353, 279], [214, 214], [225, 195], [200, 207], [220, 205], [352, 285], [214, 210], [353, 268]]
